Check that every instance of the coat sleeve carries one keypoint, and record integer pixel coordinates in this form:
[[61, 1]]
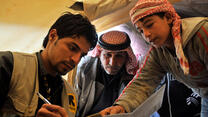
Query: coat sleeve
[[79, 82], [6, 67], [148, 77], [78, 89]]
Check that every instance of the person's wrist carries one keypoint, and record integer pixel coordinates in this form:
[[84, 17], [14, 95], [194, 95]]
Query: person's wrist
[[120, 107]]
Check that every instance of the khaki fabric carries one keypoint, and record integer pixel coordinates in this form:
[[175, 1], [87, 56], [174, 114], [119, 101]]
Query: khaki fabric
[[71, 76], [22, 99]]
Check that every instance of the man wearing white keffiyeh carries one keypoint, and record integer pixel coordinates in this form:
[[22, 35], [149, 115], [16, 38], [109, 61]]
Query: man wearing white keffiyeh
[[103, 74]]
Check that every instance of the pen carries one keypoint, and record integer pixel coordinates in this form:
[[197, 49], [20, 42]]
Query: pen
[[95, 115], [44, 99]]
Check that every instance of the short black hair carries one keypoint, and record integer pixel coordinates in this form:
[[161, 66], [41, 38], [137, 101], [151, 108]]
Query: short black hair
[[70, 25]]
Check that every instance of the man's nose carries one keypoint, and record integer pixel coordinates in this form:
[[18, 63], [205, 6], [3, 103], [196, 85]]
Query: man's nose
[[112, 61], [76, 58], [146, 33]]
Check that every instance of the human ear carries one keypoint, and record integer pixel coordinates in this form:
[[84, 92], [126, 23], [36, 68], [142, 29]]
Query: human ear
[[169, 17], [53, 35]]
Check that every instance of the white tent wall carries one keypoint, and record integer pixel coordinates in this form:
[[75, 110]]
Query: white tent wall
[[21, 38], [25, 23]]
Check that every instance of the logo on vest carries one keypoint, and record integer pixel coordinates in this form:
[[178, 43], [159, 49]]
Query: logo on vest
[[72, 103]]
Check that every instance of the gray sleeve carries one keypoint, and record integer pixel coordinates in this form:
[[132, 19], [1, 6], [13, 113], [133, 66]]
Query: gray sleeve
[[79, 83], [78, 89], [6, 67], [78, 78]]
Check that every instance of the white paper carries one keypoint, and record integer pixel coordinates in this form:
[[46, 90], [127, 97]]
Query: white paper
[[148, 107]]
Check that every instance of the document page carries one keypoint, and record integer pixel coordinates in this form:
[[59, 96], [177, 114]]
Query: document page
[[148, 107]]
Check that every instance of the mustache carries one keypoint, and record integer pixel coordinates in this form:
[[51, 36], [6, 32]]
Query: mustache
[[70, 63], [112, 67]]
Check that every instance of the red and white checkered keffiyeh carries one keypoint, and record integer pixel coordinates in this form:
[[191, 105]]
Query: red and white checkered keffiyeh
[[116, 38], [148, 7]]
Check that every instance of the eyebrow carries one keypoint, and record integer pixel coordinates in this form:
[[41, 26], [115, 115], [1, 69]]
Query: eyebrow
[[72, 43], [83, 53], [121, 52], [146, 21]]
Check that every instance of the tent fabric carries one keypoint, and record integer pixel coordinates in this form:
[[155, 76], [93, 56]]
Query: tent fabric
[[25, 23], [97, 8]]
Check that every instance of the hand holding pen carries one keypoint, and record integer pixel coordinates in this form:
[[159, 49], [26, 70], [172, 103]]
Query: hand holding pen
[[50, 110]]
